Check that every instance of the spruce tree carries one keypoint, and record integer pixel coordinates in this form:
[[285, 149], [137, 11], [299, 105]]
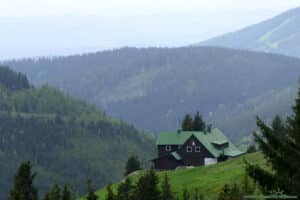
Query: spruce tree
[[66, 193], [24, 188], [187, 123], [280, 143], [166, 193], [132, 164], [185, 194], [55, 192], [109, 193], [198, 123], [91, 191], [125, 190], [147, 187]]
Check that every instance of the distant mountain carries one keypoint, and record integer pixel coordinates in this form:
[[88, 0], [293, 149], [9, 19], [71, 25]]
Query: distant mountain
[[66, 140], [280, 34], [153, 88]]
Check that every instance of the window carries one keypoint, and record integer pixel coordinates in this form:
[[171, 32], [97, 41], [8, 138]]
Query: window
[[197, 149], [168, 148], [189, 149]]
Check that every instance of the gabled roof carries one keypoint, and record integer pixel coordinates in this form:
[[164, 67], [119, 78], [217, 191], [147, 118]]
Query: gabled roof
[[206, 138]]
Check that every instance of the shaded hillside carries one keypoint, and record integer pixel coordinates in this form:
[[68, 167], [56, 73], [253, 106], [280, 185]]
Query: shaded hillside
[[280, 34], [67, 140], [207, 180], [153, 88]]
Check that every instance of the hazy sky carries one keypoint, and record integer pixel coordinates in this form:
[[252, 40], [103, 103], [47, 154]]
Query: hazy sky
[[33, 28], [133, 7]]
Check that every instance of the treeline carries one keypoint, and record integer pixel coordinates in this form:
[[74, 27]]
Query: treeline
[[194, 124], [147, 187], [13, 80]]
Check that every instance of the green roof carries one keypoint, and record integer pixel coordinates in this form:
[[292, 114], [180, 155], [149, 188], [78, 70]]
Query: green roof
[[206, 138]]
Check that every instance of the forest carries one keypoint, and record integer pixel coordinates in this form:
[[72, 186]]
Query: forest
[[229, 87], [61, 136]]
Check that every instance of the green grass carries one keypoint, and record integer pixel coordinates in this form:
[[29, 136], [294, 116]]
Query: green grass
[[208, 180]]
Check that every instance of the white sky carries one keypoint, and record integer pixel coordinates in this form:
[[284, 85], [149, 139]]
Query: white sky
[[134, 7]]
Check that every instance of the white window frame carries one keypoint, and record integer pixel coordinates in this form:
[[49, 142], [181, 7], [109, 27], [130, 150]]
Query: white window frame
[[168, 148], [189, 149], [197, 148]]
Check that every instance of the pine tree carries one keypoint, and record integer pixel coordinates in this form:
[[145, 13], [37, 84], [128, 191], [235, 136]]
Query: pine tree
[[147, 187], [187, 124], [166, 193], [132, 164], [185, 194], [280, 144], [24, 188], [91, 191], [55, 192], [125, 190], [110, 194], [47, 196], [198, 123], [66, 193]]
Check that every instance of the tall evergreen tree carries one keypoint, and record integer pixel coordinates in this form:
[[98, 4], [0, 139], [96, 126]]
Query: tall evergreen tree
[[187, 123], [166, 193], [91, 191], [24, 188], [66, 193], [109, 193], [125, 190], [132, 164], [55, 192], [185, 194], [198, 123], [147, 187], [280, 144]]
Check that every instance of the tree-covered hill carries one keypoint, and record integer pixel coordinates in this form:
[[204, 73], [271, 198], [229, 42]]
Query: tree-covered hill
[[154, 87], [67, 140], [280, 34]]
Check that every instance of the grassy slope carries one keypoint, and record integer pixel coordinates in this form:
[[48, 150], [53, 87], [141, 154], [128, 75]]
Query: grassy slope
[[208, 180]]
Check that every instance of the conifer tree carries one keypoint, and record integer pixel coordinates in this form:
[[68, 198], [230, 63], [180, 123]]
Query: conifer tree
[[109, 193], [132, 164], [66, 193], [55, 192], [280, 144], [125, 190], [166, 193], [185, 194], [47, 196], [24, 188], [187, 124], [198, 123], [91, 191], [147, 187]]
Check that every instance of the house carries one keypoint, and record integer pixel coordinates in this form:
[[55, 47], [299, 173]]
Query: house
[[192, 148]]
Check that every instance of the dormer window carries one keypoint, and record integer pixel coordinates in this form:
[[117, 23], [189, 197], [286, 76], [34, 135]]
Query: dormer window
[[189, 149], [168, 148], [197, 149]]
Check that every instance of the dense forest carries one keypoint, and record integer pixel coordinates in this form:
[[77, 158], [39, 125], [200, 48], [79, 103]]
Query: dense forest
[[162, 84], [66, 139]]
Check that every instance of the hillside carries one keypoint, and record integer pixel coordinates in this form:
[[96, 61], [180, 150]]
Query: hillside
[[61, 136], [280, 34], [154, 87], [208, 180]]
